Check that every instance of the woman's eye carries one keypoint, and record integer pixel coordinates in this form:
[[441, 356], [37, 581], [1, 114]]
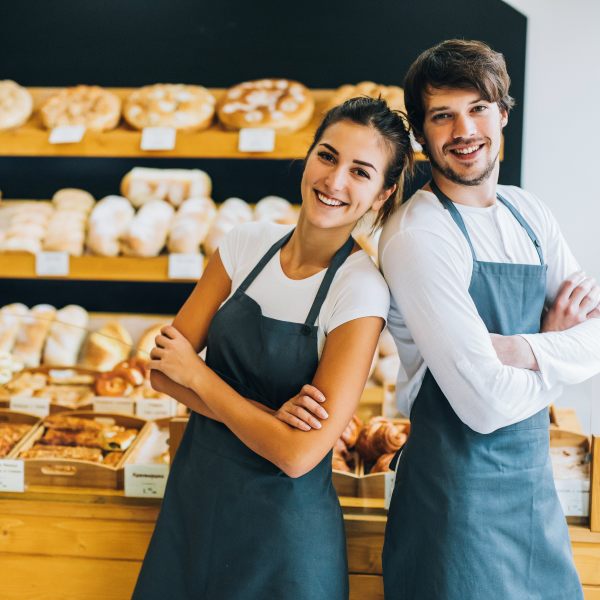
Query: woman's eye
[[325, 155], [362, 173]]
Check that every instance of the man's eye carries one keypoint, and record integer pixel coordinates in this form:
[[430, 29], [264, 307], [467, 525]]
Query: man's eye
[[440, 116], [325, 155], [480, 108]]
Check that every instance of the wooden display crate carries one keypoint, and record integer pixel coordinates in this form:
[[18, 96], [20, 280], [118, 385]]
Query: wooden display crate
[[18, 418], [79, 473]]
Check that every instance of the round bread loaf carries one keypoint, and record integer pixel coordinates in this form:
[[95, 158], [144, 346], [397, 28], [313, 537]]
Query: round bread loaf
[[183, 107], [16, 104], [392, 94], [279, 104], [89, 105]]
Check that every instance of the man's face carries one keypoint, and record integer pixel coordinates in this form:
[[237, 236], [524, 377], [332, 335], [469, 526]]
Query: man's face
[[462, 134]]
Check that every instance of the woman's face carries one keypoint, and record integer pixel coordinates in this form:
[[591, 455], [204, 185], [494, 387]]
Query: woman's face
[[343, 177]]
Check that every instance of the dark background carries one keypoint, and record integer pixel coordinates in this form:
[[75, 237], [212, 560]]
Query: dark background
[[129, 43]]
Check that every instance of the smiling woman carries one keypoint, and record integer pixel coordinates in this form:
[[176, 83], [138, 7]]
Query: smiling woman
[[290, 319]]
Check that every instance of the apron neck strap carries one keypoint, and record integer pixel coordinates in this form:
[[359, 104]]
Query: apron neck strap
[[336, 262], [264, 260], [455, 214]]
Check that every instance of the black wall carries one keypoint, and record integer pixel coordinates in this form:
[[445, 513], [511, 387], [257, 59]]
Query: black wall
[[322, 43]]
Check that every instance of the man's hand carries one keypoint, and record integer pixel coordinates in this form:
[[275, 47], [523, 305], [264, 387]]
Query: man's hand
[[577, 301], [304, 410]]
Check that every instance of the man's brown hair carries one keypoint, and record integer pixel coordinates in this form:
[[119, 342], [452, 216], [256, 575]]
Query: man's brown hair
[[463, 64]]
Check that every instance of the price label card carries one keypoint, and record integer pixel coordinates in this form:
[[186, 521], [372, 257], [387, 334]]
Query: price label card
[[12, 476], [40, 407], [158, 138], [52, 264], [67, 134], [146, 481], [156, 408], [108, 404], [185, 266], [256, 140]]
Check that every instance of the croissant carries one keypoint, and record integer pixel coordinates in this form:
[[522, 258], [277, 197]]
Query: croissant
[[380, 436], [352, 431], [383, 463]]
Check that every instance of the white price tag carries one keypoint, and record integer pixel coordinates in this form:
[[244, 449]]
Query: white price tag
[[185, 266], [12, 476], [40, 407], [52, 264], [158, 138], [156, 408], [146, 481], [67, 134], [108, 404], [256, 140]]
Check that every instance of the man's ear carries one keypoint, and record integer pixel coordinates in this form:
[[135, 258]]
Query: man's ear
[[503, 117]]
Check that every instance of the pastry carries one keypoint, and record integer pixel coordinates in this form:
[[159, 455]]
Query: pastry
[[110, 384], [91, 106], [40, 451], [106, 347], [185, 107], [109, 220], [232, 212], [16, 104], [191, 225], [112, 458], [26, 227], [147, 232], [392, 94], [69, 423], [10, 434], [279, 104], [66, 335], [72, 397], [380, 436], [382, 464], [352, 431], [32, 334], [142, 185]]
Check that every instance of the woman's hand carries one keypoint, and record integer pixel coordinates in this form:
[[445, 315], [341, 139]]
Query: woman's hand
[[304, 410], [576, 302], [175, 357]]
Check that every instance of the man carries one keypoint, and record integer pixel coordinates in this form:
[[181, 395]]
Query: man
[[471, 266]]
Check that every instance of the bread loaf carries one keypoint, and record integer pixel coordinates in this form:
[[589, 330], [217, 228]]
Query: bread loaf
[[147, 232], [191, 224], [16, 104], [66, 335], [109, 220], [32, 334], [11, 318], [106, 347]]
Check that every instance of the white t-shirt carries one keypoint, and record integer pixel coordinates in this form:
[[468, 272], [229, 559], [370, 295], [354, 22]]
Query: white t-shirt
[[427, 263], [357, 290]]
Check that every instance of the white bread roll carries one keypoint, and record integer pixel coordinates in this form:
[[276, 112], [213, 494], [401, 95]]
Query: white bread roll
[[147, 232], [109, 220], [387, 346], [274, 209], [32, 334], [143, 185], [73, 199], [106, 347], [191, 225], [11, 318], [66, 335], [237, 210], [386, 370]]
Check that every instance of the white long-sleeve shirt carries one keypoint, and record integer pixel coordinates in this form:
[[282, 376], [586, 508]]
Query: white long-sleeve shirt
[[427, 263]]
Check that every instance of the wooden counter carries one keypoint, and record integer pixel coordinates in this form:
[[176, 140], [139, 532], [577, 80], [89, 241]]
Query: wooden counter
[[84, 544]]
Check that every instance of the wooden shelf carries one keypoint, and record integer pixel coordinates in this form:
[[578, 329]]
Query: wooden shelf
[[32, 139], [21, 265]]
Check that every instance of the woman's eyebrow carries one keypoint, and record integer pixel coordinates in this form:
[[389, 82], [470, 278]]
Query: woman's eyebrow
[[358, 162]]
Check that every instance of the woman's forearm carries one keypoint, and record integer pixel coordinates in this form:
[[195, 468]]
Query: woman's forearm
[[256, 427]]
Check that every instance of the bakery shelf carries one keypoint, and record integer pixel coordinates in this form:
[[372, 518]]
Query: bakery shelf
[[32, 138], [21, 265]]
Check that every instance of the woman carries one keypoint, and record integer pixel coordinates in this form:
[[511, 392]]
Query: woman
[[250, 511]]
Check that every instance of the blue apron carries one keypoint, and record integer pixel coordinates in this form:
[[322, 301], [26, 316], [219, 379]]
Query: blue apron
[[232, 525], [474, 516]]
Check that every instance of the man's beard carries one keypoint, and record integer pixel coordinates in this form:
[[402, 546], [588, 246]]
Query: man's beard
[[453, 176]]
